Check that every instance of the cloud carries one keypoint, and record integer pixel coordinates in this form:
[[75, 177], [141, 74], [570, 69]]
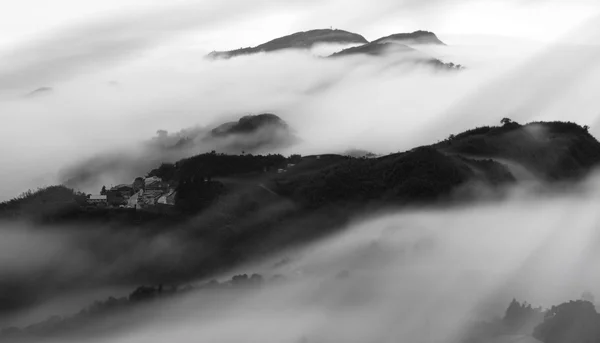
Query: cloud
[[99, 42], [374, 104], [414, 273]]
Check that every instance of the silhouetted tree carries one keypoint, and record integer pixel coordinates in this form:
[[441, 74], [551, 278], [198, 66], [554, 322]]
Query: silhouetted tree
[[572, 322], [138, 184], [103, 190], [505, 121], [520, 316]]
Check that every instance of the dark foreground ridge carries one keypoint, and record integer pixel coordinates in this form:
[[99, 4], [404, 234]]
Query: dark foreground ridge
[[248, 206]]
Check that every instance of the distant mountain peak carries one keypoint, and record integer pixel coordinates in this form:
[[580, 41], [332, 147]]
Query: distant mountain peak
[[298, 40], [416, 37], [250, 124]]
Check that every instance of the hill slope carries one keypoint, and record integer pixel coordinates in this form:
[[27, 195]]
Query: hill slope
[[552, 151], [240, 207]]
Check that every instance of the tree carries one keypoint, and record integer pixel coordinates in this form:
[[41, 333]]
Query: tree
[[575, 321], [103, 190], [586, 128], [505, 121], [138, 184]]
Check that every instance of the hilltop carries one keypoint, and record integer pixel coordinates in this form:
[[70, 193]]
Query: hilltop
[[413, 38], [250, 123], [390, 48], [399, 42], [298, 40], [552, 151], [402, 44]]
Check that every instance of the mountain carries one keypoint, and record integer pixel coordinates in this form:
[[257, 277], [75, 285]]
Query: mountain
[[400, 44], [551, 151], [252, 133], [250, 124], [240, 207], [298, 40], [396, 43], [414, 38], [263, 133], [375, 49], [389, 48]]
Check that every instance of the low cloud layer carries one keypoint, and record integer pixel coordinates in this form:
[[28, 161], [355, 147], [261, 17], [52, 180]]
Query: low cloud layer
[[379, 104], [416, 274]]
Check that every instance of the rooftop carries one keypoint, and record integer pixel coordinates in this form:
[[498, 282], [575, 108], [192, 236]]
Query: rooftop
[[97, 197]]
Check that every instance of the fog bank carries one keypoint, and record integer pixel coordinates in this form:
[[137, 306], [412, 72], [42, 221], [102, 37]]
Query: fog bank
[[419, 275]]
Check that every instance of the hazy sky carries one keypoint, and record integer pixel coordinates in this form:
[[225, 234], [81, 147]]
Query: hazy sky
[[122, 69], [23, 20]]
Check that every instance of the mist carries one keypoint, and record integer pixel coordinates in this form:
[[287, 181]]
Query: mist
[[114, 92], [413, 274], [330, 104]]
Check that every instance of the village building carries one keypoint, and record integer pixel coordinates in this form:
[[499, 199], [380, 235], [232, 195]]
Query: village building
[[155, 183], [119, 195], [97, 200], [138, 184], [124, 190], [132, 202], [151, 191], [168, 198], [149, 197]]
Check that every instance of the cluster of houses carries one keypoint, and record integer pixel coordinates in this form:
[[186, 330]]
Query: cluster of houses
[[143, 193]]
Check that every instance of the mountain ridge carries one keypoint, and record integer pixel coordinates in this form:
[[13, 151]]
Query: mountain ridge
[[250, 206], [297, 40]]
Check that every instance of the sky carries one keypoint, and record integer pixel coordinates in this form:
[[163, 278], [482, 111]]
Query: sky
[[120, 70], [538, 19]]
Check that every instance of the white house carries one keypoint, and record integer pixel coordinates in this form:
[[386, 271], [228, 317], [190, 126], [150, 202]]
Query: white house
[[167, 198], [132, 202], [97, 199]]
